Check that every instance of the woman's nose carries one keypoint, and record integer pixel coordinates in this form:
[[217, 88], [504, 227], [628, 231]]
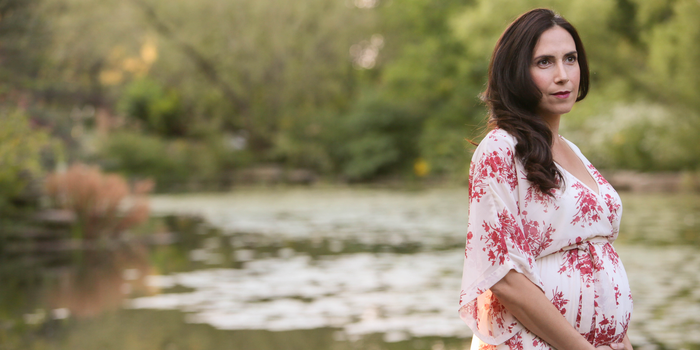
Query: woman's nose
[[561, 76]]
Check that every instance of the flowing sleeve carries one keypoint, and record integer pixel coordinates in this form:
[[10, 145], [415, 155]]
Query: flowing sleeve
[[496, 242]]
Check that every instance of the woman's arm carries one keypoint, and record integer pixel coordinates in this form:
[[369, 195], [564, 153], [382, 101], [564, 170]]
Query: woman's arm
[[627, 343], [532, 308], [494, 242]]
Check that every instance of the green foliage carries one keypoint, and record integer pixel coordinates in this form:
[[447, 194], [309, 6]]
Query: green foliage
[[426, 72], [443, 143], [640, 136], [286, 75], [673, 55], [24, 38], [259, 62], [641, 112], [172, 164], [21, 148], [159, 111], [378, 138]]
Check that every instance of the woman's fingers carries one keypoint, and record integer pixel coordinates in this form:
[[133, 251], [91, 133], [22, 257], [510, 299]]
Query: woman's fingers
[[613, 346]]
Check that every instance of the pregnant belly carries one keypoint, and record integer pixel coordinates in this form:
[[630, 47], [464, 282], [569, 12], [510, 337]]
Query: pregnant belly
[[589, 286]]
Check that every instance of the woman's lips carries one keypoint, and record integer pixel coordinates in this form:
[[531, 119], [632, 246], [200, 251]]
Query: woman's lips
[[562, 94]]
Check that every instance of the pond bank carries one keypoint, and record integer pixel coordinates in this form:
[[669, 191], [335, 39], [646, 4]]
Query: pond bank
[[316, 268], [633, 181], [622, 180]]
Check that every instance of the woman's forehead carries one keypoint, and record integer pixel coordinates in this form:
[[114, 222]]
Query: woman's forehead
[[554, 41]]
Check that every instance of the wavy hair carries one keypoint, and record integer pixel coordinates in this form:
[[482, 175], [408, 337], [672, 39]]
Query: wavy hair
[[512, 96]]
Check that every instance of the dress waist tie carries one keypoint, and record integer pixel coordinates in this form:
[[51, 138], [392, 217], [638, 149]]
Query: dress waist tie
[[587, 262]]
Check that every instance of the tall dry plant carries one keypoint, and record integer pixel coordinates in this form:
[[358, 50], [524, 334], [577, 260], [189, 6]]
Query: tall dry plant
[[103, 204]]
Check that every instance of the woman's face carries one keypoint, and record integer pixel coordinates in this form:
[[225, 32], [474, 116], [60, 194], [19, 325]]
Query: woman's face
[[554, 69]]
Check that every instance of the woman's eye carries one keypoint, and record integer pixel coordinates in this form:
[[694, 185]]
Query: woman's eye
[[543, 62], [571, 59]]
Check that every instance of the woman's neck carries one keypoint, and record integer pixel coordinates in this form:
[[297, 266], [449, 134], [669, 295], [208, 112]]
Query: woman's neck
[[553, 122]]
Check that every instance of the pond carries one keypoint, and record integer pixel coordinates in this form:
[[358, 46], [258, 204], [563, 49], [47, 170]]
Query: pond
[[315, 268]]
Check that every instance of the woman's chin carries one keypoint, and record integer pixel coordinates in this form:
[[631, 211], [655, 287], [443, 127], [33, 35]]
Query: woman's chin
[[556, 110]]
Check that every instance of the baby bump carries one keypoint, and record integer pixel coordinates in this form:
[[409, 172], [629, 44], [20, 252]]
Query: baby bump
[[589, 286]]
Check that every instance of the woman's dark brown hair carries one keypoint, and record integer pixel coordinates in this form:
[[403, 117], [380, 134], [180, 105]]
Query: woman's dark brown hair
[[512, 96]]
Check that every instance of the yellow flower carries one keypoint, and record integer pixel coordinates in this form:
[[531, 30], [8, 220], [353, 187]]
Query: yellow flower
[[421, 167]]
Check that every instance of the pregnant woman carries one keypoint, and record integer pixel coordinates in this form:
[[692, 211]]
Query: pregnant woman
[[540, 271]]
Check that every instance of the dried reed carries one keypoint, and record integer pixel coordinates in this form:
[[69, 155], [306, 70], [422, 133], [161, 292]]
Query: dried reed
[[104, 204]]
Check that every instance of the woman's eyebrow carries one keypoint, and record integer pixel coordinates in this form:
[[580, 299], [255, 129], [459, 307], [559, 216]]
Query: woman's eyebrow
[[552, 56], [543, 56]]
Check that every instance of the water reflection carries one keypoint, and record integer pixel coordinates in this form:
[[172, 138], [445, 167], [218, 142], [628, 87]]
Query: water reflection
[[100, 282], [666, 287], [650, 221], [43, 288], [661, 219], [401, 296], [435, 219], [315, 269]]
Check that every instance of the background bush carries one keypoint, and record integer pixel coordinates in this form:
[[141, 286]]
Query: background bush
[[355, 90], [174, 164], [378, 139], [157, 110], [24, 151]]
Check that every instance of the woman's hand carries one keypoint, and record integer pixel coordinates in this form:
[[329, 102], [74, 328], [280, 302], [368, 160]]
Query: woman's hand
[[532, 308], [536, 312], [625, 345]]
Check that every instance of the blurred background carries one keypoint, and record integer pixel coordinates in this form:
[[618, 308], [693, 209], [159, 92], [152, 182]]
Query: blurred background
[[263, 174]]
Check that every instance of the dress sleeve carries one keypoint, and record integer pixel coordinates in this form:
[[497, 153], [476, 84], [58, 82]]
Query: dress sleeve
[[496, 242]]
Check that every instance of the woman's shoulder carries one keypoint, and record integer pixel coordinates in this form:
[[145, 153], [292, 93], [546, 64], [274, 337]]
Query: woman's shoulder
[[497, 140], [497, 144]]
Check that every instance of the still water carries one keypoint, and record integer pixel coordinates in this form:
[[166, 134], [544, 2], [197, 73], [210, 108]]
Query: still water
[[332, 268]]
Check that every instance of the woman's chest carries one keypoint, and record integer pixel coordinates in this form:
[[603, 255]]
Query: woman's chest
[[574, 212], [571, 164]]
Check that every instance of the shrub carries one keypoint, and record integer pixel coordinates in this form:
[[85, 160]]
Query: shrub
[[158, 110], [21, 149], [640, 136], [443, 142], [173, 164], [103, 204], [377, 138]]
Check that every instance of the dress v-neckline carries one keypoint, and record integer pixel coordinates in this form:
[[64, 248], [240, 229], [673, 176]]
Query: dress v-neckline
[[597, 191]]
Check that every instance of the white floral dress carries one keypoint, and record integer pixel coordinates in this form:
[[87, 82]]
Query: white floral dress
[[562, 244]]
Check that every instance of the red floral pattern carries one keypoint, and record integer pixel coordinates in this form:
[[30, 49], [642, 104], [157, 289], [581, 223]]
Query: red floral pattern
[[496, 165], [539, 237], [516, 342], [560, 242], [467, 248], [534, 195], [559, 301], [497, 237], [578, 262], [607, 331], [610, 254], [538, 343], [587, 205], [494, 244], [596, 174], [496, 311], [613, 207]]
